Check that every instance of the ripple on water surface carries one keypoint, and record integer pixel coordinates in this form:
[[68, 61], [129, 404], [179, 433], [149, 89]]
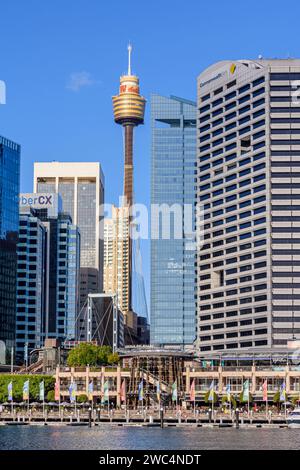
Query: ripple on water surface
[[107, 437]]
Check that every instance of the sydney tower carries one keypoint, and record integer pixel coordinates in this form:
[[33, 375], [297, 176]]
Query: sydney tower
[[129, 109]]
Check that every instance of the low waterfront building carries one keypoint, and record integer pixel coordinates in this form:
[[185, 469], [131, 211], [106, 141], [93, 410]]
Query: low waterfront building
[[168, 367]]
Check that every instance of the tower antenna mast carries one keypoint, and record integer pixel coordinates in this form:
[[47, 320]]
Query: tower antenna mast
[[129, 58]]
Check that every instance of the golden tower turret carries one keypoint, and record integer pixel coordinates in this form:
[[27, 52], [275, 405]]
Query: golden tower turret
[[129, 109]]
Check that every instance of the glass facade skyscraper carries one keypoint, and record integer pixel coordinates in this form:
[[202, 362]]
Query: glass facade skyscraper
[[48, 272], [32, 291], [9, 215], [173, 305]]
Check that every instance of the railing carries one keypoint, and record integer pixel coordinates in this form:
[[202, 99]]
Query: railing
[[204, 369], [237, 368]]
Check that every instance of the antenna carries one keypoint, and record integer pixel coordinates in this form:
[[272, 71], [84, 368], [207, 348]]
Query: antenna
[[129, 58]]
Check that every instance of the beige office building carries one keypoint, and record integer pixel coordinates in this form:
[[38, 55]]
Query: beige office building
[[248, 181], [116, 265], [81, 186]]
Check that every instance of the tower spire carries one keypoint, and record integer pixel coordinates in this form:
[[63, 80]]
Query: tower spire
[[129, 58]]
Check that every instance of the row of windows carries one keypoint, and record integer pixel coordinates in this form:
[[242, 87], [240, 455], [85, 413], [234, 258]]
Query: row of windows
[[243, 268], [241, 90], [232, 292], [233, 114], [245, 142], [233, 176], [242, 236], [230, 126], [247, 311], [233, 228], [233, 156], [247, 344], [241, 205], [233, 124], [261, 331], [242, 279], [233, 249], [230, 96]]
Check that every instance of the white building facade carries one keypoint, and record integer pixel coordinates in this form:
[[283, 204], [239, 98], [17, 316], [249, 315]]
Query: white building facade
[[248, 183], [81, 186]]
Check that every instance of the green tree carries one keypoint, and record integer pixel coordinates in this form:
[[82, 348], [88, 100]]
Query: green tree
[[295, 401], [82, 399], [232, 400], [89, 354], [113, 358], [215, 398], [50, 395], [241, 398]]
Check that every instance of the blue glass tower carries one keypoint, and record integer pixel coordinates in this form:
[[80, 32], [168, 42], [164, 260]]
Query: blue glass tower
[[48, 272], [173, 172], [9, 219]]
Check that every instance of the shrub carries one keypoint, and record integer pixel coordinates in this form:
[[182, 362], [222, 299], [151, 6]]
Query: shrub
[[215, 398], [17, 386]]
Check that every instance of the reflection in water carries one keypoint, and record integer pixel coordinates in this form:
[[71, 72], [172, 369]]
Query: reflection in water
[[108, 437]]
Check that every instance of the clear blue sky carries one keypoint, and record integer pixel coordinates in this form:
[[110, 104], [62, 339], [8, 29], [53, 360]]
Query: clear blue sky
[[43, 44]]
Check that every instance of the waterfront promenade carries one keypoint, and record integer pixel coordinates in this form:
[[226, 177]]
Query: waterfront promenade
[[77, 416]]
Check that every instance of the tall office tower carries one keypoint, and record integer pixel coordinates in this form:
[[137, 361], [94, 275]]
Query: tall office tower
[[81, 186], [129, 109], [116, 266], [32, 286], [9, 220], [173, 172], [248, 182], [48, 272]]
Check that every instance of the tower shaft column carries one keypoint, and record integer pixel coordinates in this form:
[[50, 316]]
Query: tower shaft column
[[128, 164], [128, 194]]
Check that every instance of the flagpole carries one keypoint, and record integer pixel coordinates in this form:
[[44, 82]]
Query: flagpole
[[12, 401], [249, 404], [267, 400]]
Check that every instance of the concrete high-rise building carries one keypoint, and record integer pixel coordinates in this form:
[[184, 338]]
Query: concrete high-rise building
[[129, 109], [47, 272], [173, 173], [9, 224], [248, 182], [81, 186], [116, 265]]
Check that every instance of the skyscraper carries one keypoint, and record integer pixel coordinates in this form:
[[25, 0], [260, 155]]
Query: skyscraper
[[9, 220], [248, 183], [129, 109], [173, 168], [48, 272], [32, 287], [81, 186], [116, 265]]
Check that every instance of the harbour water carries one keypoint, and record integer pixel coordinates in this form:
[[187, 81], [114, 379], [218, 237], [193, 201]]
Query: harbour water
[[108, 437]]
